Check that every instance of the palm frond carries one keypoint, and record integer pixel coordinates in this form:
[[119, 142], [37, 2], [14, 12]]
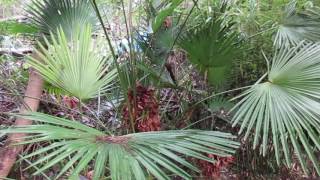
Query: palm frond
[[49, 15], [76, 67], [211, 48], [130, 156], [285, 110], [298, 26]]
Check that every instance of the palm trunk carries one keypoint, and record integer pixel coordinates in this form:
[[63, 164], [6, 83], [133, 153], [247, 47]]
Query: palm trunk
[[9, 153]]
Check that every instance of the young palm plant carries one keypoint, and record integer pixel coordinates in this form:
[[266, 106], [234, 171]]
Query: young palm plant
[[287, 104], [75, 66]]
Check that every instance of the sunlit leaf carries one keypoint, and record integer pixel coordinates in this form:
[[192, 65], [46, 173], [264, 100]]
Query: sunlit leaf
[[76, 66], [285, 110]]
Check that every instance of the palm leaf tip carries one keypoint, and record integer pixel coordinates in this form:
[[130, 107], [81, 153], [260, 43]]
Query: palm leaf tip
[[285, 109], [127, 156]]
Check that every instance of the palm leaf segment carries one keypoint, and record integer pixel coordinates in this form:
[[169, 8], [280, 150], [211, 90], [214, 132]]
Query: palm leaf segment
[[126, 157], [297, 27], [49, 15], [76, 66], [211, 47], [288, 105]]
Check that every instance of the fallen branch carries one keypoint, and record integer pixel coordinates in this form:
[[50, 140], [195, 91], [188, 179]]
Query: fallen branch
[[9, 153], [14, 18], [15, 52]]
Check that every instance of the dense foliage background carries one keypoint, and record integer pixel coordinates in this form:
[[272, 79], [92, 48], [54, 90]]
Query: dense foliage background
[[161, 89]]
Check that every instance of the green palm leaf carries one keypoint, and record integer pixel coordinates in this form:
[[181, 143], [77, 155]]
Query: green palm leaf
[[123, 157], [49, 15], [211, 48], [297, 27], [286, 108], [76, 66]]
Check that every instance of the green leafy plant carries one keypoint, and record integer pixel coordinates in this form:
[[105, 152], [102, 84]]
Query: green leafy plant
[[211, 48], [49, 15], [12, 28], [130, 156], [287, 104], [75, 67]]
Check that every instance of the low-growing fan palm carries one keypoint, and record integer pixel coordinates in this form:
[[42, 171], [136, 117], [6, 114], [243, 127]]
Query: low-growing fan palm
[[131, 156], [285, 110], [76, 66], [298, 26], [49, 15], [211, 48]]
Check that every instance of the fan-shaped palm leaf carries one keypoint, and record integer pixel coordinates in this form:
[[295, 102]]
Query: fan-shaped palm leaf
[[211, 47], [297, 27], [49, 15], [288, 104], [75, 67], [125, 157]]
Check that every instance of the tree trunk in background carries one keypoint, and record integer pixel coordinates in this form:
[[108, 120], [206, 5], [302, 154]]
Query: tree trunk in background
[[9, 153]]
